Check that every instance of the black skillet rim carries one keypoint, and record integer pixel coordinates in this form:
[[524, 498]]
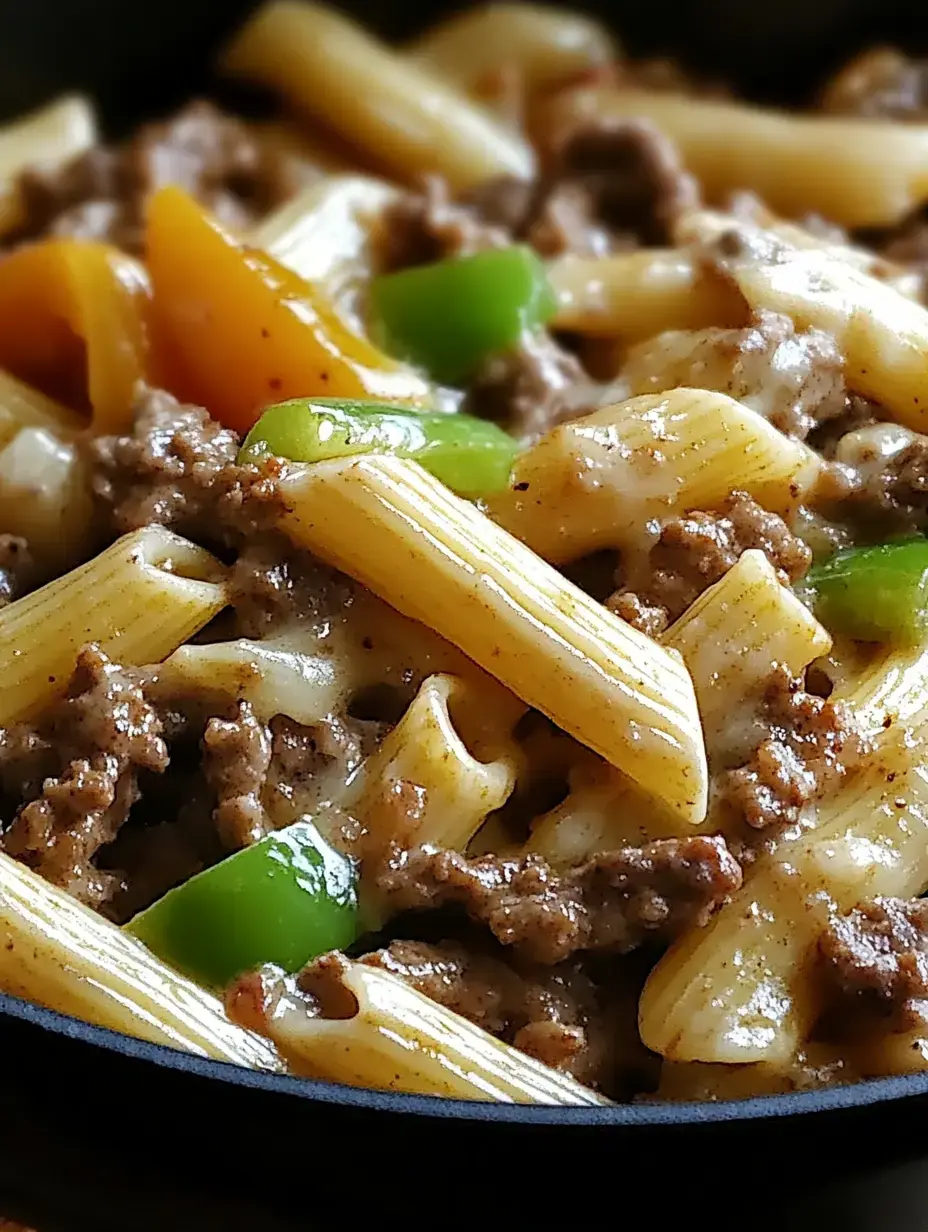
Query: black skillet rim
[[652, 1115]]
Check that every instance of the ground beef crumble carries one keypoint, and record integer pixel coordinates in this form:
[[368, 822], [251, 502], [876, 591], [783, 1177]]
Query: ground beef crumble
[[876, 959], [811, 743], [93, 745], [236, 760], [696, 550], [177, 468], [614, 902], [102, 194]]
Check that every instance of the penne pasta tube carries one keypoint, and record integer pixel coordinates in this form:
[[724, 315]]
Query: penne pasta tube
[[635, 295], [736, 633], [597, 481], [884, 335], [436, 558], [407, 119], [425, 755], [59, 953], [54, 135], [745, 989], [545, 44], [859, 173], [140, 599], [390, 1037]]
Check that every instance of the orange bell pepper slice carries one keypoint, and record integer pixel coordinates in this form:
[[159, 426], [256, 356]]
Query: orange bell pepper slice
[[73, 322], [237, 331]]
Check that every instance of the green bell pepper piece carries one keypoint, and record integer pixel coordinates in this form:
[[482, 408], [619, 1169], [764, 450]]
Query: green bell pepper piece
[[284, 900], [446, 317], [472, 456], [874, 594]]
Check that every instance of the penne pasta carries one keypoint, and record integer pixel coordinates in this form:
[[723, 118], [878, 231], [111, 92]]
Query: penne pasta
[[744, 988], [546, 45], [138, 600], [426, 755], [598, 481], [884, 335], [735, 634], [408, 120], [435, 557], [54, 135], [860, 173], [635, 295], [396, 1039], [57, 952]]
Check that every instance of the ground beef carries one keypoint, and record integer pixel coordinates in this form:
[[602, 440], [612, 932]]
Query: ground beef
[[876, 957], [875, 479], [610, 185], [177, 468], [101, 735], [275, 585], [426, 225], [216, 157], [795, 379], [809, 745], [236, 759], [16, 568], [532, 388], [613, 903], [696, 550], [555, 1014], [880, 83]]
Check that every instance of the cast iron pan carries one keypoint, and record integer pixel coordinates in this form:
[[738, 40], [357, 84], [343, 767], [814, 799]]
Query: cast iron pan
[[101, 1131]]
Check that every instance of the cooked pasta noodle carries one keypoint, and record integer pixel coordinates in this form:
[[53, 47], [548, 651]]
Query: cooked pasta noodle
[[596, 482], [385, 521], [409, 120], [55, 951], [397, 1039], [860, 173], [138, 600]]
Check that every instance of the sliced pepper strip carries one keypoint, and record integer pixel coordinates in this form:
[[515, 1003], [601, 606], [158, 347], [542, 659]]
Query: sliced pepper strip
[[285, 899], [472, 456], [450, 315], [873, 594], [74, 323], [237, 330]]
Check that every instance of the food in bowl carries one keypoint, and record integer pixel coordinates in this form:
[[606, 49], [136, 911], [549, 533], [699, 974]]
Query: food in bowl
[[464, 568]]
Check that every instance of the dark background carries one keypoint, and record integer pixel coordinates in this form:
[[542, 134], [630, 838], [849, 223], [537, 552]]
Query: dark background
[[93, 1139]]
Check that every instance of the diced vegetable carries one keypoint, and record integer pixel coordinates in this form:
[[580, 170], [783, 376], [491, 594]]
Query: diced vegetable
[[74, 323], [471, 456], [447, 316], [284, 900], [237, 330], [877, 594]]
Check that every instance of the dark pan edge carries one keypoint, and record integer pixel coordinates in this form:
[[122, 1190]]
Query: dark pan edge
[[831, 1099]]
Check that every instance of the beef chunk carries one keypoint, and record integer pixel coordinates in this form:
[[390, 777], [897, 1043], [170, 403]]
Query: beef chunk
[[426, 225], [16, 568], [611, 185], [696, 550], [100, 736], [809, 745], [177, 468], [215, 157], [614, 902], [555, 1014], [876, 957], [531, 389], [236, 759]]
